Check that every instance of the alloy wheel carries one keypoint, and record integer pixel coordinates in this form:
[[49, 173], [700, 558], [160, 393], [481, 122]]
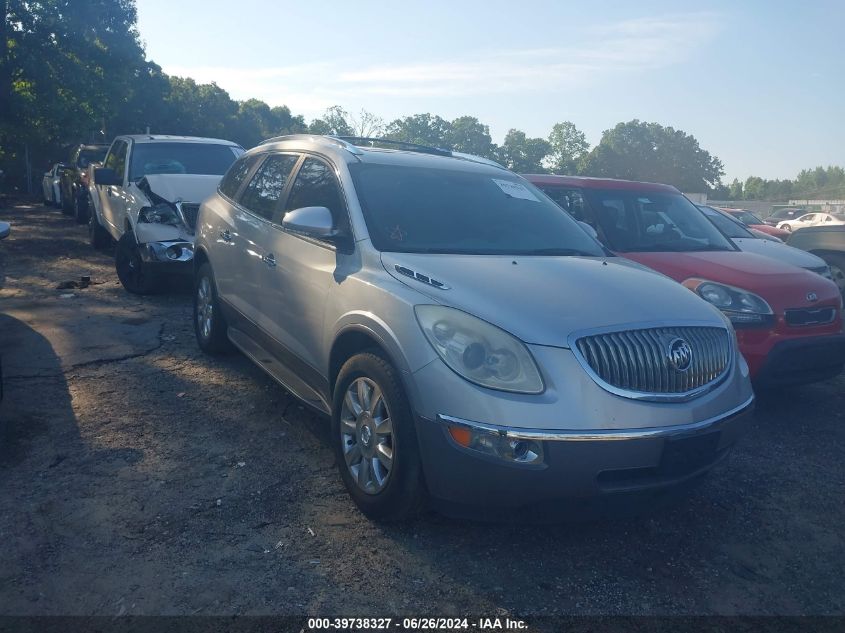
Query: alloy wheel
[[366, 432], [205, 308]]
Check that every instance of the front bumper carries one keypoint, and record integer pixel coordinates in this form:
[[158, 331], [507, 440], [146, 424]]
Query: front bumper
[[802, 361], [576, 464]]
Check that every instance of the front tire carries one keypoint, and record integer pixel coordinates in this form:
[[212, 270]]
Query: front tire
[[80, 208], [65, 205], [375, 441], [209, 322], [787, 227], [134, 273]]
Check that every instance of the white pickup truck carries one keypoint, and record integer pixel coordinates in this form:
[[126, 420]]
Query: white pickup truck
[[146, 197]]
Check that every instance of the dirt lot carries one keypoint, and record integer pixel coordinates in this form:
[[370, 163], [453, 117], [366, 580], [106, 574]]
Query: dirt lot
[[138, 476]]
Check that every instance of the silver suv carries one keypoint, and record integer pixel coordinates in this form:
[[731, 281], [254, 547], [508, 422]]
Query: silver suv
[[473, 344]]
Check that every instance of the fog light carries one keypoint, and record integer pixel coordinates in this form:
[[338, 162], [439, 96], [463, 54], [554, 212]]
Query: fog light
[[518, 451]]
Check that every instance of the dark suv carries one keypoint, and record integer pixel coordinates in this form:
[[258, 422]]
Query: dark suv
[[74, 183], [781, 215]]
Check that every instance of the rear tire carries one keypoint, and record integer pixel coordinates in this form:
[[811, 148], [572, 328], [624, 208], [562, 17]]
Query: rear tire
[[134, 273], [80, 208], [209, 323], [380, 465], [98, 237]]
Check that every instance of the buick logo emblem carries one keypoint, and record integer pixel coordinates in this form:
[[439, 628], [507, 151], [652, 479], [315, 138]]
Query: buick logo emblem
[[812, 296], [679, 354]]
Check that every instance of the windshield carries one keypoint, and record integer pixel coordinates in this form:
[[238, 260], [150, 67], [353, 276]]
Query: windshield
[[632, 221], [746, 217], [414, 210], [727, 225], [88, 156], [181, 158]]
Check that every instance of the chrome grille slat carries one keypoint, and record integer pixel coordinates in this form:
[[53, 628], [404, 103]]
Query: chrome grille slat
[[636, 362]]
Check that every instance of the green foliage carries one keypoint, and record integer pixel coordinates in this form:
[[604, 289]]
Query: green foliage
[[568, 147], [648, 151], [522, 154], [334, 122]]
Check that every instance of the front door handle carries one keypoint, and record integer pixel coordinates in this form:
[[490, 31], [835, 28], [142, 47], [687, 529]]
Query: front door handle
[[270, 260], [226, 236]]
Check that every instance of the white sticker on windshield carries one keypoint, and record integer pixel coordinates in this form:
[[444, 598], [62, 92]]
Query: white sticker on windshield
[[515, 190]]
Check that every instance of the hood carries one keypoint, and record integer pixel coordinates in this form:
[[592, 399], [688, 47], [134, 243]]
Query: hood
[[542, 300], [186, 187], [780, 251], [781, 285]]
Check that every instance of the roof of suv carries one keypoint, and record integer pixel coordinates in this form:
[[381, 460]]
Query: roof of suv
[[168, 138], [352, 149], [598, 183]]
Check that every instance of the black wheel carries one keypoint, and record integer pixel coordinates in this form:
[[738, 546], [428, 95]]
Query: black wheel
[[65, 204], [209, 322], [134, 273], [837, 270], [80, 208], [787, 227], [375, 440], [97, 235]]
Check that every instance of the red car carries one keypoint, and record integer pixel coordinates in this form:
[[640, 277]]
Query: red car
[[753, 222], [788, 320]]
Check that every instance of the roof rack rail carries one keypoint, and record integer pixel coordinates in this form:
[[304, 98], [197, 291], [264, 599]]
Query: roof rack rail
[[365, 141], [478, 159], [335, 140]]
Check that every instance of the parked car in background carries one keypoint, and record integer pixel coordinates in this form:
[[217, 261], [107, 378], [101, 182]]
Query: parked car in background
[[747, 241], [50, 187], [788, 320], [470, 342], [783, 214], [828, 242], [812, 219], [74, 181], [146, 198], [756, 224]]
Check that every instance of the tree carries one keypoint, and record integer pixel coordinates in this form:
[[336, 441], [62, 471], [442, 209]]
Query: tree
[[648, 151], [423, 129], [467, 134], [522, 154], [335, 122], [736, 190], [366, 124], [568, 147]]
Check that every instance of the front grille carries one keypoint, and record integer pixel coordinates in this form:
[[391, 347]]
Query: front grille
[[638, 363], [799, 317], [190, 212]]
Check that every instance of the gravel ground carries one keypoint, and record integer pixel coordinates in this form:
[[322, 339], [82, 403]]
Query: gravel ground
[[138, 476]]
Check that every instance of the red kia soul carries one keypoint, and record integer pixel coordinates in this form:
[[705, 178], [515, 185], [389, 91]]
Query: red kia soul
[[788, 320]]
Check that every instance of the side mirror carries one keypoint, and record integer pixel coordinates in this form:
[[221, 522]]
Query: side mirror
[[311, 221], [107, 176], [589, 229], [5, 229]]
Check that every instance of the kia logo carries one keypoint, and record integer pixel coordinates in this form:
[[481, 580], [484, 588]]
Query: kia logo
[[812, 296], [679, 354]]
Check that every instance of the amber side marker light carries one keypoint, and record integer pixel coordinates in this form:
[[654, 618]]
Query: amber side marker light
[[461, 435]]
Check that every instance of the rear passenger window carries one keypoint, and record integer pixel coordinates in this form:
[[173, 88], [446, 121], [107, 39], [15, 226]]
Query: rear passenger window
[[264, 191], [234, 177], [316, 186]]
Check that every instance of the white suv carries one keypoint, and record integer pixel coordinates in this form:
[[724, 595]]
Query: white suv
[[146, 197]]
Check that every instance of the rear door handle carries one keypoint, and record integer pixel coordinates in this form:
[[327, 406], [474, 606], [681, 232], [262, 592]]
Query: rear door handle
[[226, 236], [270, 260]]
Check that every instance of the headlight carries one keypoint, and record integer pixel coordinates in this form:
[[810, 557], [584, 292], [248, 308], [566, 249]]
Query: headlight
[[160, 214], [479, 351], [740, 306], [824, 271]]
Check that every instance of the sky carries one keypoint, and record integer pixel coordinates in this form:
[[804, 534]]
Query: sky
[[760, 84]]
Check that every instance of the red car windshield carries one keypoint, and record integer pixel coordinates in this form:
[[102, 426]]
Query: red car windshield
[[640, 221], [746, 217]]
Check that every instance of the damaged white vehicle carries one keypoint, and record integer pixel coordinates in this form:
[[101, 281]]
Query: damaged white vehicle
[[146, 197]]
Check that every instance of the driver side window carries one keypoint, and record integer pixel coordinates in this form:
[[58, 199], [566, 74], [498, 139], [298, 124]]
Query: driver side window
[[316, 186]]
